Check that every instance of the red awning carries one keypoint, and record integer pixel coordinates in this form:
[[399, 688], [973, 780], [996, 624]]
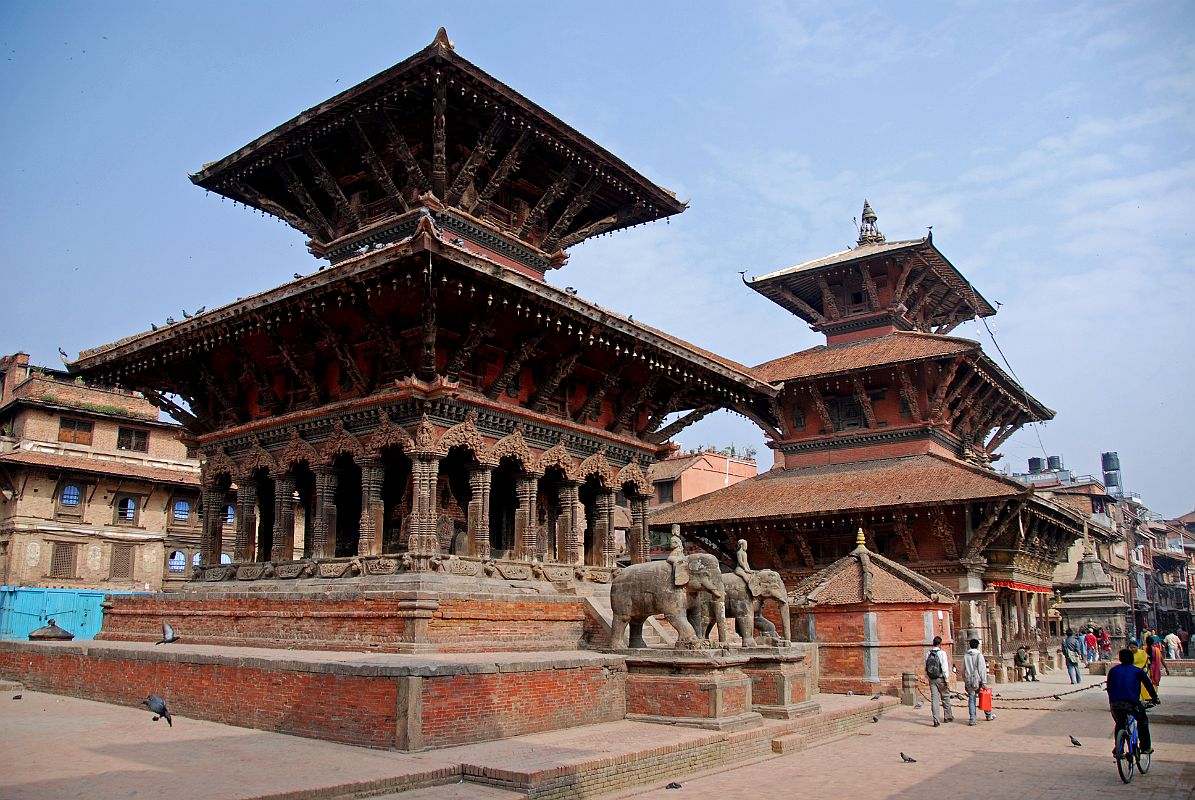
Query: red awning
[[1022, 587]]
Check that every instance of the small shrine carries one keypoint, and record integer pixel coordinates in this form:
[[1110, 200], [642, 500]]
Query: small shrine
[[871, 618], [1090, 600]]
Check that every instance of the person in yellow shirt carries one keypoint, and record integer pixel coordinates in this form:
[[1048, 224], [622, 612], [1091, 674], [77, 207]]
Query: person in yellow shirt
[[1140, 660]]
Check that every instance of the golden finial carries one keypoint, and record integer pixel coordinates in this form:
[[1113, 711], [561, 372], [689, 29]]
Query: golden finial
[[860, 539]]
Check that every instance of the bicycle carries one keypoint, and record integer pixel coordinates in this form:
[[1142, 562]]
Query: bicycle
[[1128, 749]]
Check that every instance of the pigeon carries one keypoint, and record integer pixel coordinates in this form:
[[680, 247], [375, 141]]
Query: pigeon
[[153, 327], [62, 353], [673, 785], [918, 705], [168, 634], [1056, 697], [457, 241], [201, 309], [169, 320], [157, 706], [907, 759], [570, 290], [17, 696], [186, 315], [297, 276], [875, 696], [849, 693], [876, 718], [1076, 742]]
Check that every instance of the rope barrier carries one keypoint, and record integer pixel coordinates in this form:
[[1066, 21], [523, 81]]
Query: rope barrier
[[954, 695]]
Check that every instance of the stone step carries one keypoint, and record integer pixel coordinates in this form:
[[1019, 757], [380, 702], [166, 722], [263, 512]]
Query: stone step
[[10, 686]]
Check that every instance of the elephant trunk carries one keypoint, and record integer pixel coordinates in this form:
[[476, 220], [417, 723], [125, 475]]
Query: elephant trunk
[[786, 621], [720, 618]]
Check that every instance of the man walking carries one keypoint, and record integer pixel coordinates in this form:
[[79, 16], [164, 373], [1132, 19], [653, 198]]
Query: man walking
[[1090, 644], [937, 670], [975, 677], [1174, 645], [1072, 653]]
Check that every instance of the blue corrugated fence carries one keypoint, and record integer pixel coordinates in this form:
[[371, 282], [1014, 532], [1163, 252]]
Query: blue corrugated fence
[[24, 609]]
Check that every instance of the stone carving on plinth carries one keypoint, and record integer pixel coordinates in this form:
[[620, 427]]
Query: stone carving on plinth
[[743, 603], [644, 590]]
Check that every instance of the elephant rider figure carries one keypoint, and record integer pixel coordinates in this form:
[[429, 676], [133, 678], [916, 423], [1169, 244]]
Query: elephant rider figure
[[744, 571], [679, 561]]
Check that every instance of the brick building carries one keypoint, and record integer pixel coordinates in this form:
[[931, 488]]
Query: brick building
[[891, 426], [95, 491], [685, 475]]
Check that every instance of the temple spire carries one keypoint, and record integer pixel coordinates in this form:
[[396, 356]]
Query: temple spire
[[868, 232]]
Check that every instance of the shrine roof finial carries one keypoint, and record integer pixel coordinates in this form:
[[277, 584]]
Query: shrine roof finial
[[869, 233], [442, 39]]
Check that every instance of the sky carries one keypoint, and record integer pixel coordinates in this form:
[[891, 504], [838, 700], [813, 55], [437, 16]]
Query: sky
[[1050, 145]]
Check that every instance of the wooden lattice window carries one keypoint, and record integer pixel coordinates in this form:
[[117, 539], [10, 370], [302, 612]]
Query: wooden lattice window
[[132, 439], [122, 562], [63, 559], [75, 431]]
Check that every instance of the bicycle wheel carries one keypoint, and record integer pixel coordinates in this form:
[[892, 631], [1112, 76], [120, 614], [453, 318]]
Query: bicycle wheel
[[1124, 762], [1143, 760]]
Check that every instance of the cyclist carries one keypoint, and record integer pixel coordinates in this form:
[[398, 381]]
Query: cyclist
[[1125, 684]]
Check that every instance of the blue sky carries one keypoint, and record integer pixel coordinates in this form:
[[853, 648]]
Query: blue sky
[[1049, 145]]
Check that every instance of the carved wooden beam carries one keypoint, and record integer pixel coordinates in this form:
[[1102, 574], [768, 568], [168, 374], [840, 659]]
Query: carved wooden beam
[[427, 358], [946, 328], [267, 398], [920, 303], [292, 364], [593, 401], [792, 299], [514, 363], [308, 227], [219, 394], [714, 545], [329, 184], [668, 431], [666, 406], [940, 528], [904, 293], [393, 362], [439, 139], [343, 355], [909, 394], [869, 285], [161, 401], [819, 404], [398, 145], [802, 542], [935, 406], [599, 226], [297, 190], [905, 534], [190, 391], [380, 174], [864, 401], [480, 156], [627, 412], [479, 329], [828, 302], [506, 166], [963, 387], [547, 199], [990, 528], [906, 269], [579, 201], [543, 393]]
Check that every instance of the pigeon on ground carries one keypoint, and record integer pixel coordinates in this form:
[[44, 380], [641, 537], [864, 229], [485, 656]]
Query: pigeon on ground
[[168, 634], [918, 705], [876, 718], [1076, 742], [673, 785], [907, 759], [17, 696], [157, 706], [849, 693], [1056, 697], [875, 696]]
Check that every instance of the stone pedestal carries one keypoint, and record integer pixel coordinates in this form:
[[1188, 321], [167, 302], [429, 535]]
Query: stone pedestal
[[697, 689], [781, 684]]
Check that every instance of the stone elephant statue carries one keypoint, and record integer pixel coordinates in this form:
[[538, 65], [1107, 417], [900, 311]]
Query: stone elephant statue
[[644, 590], [744, 608]]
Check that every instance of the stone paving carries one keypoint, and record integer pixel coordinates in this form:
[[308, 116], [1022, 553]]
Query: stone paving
[[61, 747]]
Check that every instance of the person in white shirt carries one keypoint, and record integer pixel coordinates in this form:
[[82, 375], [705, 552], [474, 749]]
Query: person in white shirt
[[937, 670], [975, 677]]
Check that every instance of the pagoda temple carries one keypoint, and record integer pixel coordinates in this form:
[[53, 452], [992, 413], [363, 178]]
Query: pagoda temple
[[890, 427], [427, 391]]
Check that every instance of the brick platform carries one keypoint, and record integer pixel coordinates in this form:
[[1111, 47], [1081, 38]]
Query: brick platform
[[782, 680], [701, 689], [382, 701], [407, 613]]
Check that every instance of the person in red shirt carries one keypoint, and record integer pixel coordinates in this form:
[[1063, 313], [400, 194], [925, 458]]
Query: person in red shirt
[[1089, 642]]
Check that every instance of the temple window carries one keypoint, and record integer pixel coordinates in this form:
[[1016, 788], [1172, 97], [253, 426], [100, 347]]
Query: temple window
[[132, 439], [70, 500], [63, 560], [126, 509], [845, 413], [75, 431], [181, 511], [664, 491], [122, 562], [177, 564]]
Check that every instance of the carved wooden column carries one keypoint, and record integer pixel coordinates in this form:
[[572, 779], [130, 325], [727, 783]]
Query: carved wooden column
[[603, 530], [323, 541], [245, 545], [570, 531], [479, 512], [638, 541], [284, 517], [423, 539], [526, 517], [373, 508], [211, 539]]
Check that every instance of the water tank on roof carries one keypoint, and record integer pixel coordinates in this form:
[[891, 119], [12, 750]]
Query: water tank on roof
[[1036, 465], [1111, 479], [1110, 462], [1054, 463]]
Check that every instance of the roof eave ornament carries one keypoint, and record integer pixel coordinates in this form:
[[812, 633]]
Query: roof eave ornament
[[442, 40], [869, 233]]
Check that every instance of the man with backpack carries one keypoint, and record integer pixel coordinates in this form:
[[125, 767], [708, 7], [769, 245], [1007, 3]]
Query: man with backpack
[[1072, 653], [937, 670]]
